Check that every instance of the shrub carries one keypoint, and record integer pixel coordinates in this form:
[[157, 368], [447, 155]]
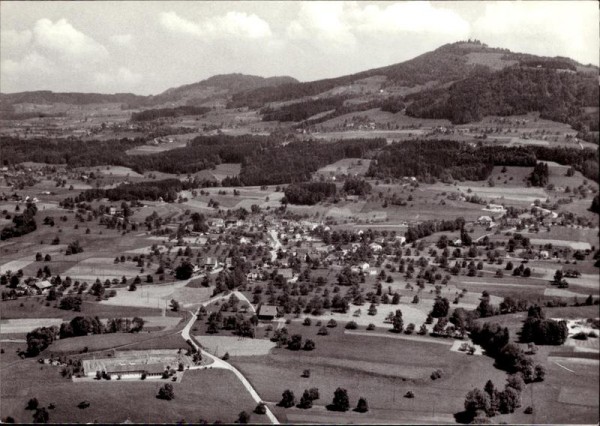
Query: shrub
[[260, 408], [351, 325], [166, 392]]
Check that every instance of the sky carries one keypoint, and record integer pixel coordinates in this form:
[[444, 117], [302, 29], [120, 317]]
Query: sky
[[147, 47]]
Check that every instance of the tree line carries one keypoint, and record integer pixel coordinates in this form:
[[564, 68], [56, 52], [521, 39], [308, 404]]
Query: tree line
[[447, 160], [153, 114]]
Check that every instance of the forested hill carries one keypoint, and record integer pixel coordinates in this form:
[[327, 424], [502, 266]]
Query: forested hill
[[225, 85], [73, 98], [558, 96], [449, 63]]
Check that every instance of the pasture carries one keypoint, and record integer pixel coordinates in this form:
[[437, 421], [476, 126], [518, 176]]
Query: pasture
[[235, 346], [382, 376], [221, 393]]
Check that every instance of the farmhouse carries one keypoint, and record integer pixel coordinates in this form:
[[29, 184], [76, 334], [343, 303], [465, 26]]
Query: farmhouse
[[42, 286], [210, 263], [485, 220], [267, 312]]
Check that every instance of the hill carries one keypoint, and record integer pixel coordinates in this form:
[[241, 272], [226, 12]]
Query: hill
[[216, 87], [462, 82]]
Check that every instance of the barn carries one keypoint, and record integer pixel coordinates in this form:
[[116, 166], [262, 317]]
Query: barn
[[267, 312]]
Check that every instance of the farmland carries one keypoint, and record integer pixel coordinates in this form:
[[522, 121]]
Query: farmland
[[419, 239]]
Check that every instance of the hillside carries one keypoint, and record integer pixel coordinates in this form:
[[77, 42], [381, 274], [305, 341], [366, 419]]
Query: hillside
[[220, 86], [462, 82]]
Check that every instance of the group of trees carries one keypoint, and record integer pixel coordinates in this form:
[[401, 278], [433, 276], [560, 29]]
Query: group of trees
[[153, 114], [152, 190], [298, 160], [446, 160], [426, 228], [495, 340], [356, 186], [341, 401], [480, 404], [82, 326], [542, 331], [300, 111], [539, 175], [308, 193], [23, 223]]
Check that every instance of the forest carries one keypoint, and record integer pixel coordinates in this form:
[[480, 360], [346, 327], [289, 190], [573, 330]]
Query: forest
[[308, 193], [153, 114], [558, 96], [300, 111], [166, 189], [298, 160], [446, 160]]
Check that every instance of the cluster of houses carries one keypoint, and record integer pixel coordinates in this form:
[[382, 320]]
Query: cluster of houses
[[32, 287]]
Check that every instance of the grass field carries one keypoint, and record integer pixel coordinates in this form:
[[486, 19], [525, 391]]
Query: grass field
[[35, 307], [235, 346], [100, 342], [207, 394], [344, 361]]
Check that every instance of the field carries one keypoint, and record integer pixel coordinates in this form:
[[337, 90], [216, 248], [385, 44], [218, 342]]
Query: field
[[101, 342], [222, 396], [347, 166], [235, 346], [35, 307], [382, 376]]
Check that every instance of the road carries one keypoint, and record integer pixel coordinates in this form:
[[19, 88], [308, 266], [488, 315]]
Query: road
[[219, 363]]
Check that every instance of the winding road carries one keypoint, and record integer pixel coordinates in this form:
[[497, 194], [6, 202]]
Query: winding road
[[219, 363]]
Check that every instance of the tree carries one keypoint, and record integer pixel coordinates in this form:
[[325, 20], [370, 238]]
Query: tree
[[508, 400], [174, 305], [166, 392], [309, 345], [305, 401], [295, 342], [32, 404], [287, 399], [41, 416], [397, 322], [475, 400], [184, 271], [243, 418], [539, 373], [440, 307], [341, 401], [260, 408], [362, 406]]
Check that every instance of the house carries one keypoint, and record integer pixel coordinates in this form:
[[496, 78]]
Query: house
[[112, 210], [267, 312], [210, 263], [42, 286], [216, 222], [457, 242], [286, 273], [375, 247], [485, 220], [401, 239]]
